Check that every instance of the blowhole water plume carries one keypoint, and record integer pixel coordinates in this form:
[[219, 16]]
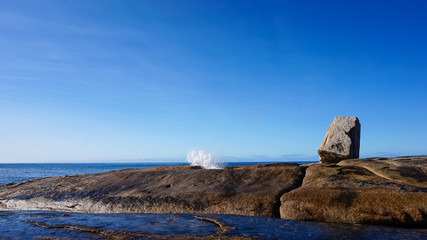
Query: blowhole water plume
[[204, 160]]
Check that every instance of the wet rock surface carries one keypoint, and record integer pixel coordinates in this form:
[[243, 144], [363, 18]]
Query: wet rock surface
[[382, 191], [245, 190], [60, 225]]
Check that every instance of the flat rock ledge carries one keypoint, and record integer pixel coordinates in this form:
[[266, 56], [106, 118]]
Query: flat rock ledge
[[244, 190], [381, 191]]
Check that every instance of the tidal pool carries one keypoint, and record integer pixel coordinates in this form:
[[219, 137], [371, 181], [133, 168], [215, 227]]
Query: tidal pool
[[61, 225]]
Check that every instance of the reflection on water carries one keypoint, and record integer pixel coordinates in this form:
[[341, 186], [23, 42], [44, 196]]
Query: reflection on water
[[19, 172], [48, 225]]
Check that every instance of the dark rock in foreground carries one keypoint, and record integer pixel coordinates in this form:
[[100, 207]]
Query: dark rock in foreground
[[245, 190], [373, 191]]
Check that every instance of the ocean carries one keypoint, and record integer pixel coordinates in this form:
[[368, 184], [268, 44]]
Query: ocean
[[18, 172], [60, 225]]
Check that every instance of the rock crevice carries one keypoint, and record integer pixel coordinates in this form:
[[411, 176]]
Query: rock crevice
[[381, 191], [298, 184]]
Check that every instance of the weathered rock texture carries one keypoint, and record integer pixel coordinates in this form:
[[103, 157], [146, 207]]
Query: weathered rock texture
[[245, 190], [342, 140], [382, 191], [373, 191]]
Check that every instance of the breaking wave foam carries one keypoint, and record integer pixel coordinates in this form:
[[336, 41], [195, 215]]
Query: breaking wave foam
[[205, 160]]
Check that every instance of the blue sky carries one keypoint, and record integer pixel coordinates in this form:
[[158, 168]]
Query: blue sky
[[122, 80]]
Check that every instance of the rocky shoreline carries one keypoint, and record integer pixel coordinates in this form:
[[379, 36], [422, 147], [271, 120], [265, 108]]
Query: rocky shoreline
[[380, 191]]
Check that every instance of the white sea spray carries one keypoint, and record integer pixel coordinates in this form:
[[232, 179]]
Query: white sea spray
[[204, 160]]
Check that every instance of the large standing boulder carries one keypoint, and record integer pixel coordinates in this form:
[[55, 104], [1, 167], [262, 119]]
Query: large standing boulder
[[342, 140]]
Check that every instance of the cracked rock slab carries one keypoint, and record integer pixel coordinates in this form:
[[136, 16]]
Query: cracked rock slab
[[381, 191]]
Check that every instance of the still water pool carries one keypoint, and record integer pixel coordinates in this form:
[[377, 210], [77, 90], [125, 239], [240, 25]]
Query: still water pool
[[60, 225]]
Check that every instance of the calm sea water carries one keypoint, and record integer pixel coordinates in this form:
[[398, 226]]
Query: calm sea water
[[18, 172], [49, 225]]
